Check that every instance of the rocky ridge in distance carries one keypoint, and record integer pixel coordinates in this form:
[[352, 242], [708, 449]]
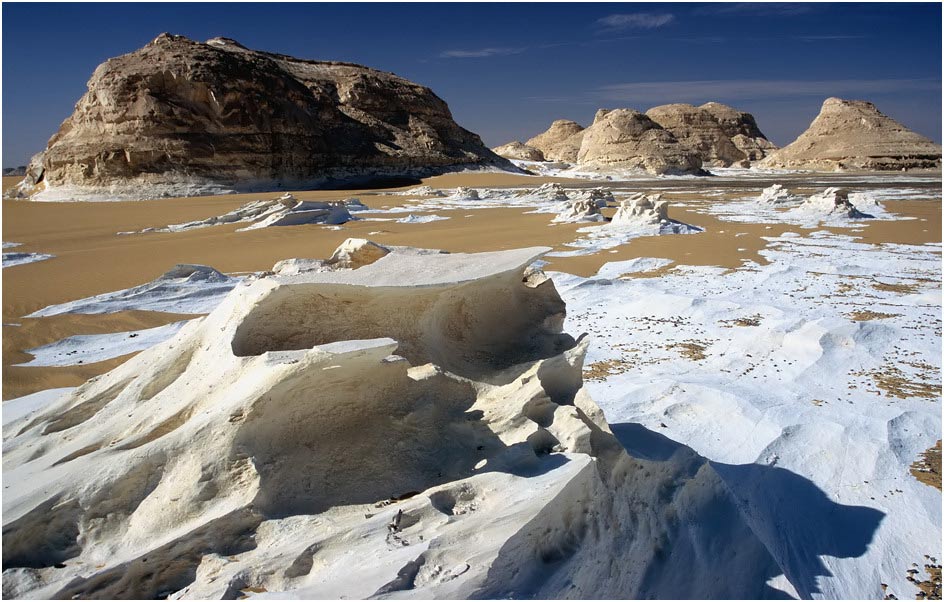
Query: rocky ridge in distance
[[179, 117]]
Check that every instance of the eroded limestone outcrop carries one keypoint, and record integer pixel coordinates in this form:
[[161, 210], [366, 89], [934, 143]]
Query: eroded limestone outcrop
[[517, 150], [561, 141], [179, 117], [721, 135], [628, 139], [854, 134], [414, 427]]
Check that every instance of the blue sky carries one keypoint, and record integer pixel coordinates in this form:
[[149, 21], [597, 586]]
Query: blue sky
[[508, 70]]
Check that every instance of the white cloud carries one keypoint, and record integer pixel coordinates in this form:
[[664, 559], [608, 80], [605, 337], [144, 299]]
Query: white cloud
[[621, 21], [479, 53]]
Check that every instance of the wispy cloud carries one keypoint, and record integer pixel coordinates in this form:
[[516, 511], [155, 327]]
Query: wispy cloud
[[480, 53], [624, 21], [757, 9], [642, 93]]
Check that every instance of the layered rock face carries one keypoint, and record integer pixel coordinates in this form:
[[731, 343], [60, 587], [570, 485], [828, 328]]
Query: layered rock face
[[854, 134], [721, 135], [415, 427], [561, 141], [180, 116], [517, 150], [629, 139]]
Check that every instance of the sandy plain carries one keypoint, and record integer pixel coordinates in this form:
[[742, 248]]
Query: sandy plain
[[90, 258]]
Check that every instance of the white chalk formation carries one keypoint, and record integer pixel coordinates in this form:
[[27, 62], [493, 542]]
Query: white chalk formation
[[601, 196], [834, 206], [415, 427], [283, 211], [582, 210], [550, 192], [420, 191], [637, 216], [777, 195], [420, 219], [641, 211], [92, 348], [832, 202], [463, 192], [184, 289], [19, 258]]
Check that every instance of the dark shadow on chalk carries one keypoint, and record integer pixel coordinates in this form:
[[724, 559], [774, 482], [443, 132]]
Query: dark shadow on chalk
[[522, 460], [793, 517]]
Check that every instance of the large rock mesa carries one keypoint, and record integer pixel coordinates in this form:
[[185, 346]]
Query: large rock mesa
[[179, 117]]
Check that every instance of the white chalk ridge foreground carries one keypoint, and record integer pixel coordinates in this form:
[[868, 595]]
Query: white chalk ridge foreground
[[417, 427], [91, 348], [184, 289]]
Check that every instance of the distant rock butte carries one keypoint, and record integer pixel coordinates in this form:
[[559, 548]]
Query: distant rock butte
[[674, 138], [517, 150], [721, 135], [561, 141], [626, 138], [853, 134], [179, 115]]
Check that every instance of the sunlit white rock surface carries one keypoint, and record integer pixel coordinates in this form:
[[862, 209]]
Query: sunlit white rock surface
[[821, 367], [416, 427], [91, 348], [185, 289]]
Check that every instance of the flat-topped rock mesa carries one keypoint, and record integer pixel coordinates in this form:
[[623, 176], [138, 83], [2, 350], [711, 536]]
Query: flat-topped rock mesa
[[626, 138], [181, 114], [561, 141], [854, 134], [517, 150], [721, 135]]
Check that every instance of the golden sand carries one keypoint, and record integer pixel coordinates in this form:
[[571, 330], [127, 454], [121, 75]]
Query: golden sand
[[927, 468], [90, 258]]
